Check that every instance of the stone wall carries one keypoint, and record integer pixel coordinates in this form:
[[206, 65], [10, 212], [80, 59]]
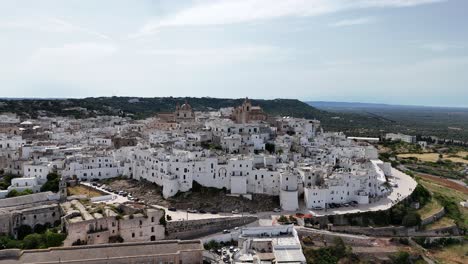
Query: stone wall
[[196, 228], [190, 252], [9, 253], [395, 231], [433, 218]]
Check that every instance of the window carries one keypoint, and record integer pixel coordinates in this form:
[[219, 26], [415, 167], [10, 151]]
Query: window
[[133, 234]]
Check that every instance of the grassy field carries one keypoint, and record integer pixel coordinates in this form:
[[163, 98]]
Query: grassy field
[[429, 209], [434, 157], [459, 196], [82, 190], [455, 254], [443, 222]]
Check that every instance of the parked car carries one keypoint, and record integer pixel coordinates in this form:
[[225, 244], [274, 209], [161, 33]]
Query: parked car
[[225, 231], [214, 212], [235, 211], [173, 209], [193, 211], [277, 210], [201, 211]]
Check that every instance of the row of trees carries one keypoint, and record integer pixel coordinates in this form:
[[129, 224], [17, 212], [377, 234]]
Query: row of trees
[[41, 236]]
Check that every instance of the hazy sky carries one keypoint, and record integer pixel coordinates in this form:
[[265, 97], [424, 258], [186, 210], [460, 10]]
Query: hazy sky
[[386, 51]]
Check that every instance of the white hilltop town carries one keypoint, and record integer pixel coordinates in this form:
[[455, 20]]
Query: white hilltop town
[[241, 150]]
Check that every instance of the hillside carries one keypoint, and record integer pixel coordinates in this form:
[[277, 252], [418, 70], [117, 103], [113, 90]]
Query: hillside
[[442, 122], [145, 107]]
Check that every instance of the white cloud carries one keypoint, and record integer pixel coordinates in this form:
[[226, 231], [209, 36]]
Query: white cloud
[[395, 3], [212, 56], [440, 47], [70, 55], [50, 25], [240, 11], [353, 22]]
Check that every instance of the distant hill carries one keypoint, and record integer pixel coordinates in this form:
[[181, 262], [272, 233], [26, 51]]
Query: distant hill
[[355, 105], [352, 118], [145, 107], [443, 122]]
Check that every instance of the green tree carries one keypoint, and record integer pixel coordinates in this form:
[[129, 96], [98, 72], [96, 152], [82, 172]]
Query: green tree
[[32, 241], [411, 219], [15, 193], [52, 184], [270, 147], [53, 239], [401, 257], [6, 181]]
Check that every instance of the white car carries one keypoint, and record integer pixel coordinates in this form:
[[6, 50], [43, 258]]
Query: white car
[[277, 210]]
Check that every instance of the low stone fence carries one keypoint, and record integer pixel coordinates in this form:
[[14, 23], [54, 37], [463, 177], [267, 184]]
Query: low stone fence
[[102, 198], [329, 237], [10, 253], [432, 218], [387, 231], [396, 231], [187, 229]]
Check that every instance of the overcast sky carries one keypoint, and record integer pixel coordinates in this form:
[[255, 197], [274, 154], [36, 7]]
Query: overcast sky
[[383, 51]]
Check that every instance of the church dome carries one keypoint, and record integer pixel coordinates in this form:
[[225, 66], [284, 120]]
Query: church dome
[[186, 107]]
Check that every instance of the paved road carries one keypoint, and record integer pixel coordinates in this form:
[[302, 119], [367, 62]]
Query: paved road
[[405, 186]]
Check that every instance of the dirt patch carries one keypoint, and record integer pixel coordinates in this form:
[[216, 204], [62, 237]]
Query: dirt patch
[[444, 182], [84, 190], [208, 199]]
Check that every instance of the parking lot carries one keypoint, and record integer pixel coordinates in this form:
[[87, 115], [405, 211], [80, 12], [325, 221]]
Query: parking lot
[[116, 197], [404, 186]]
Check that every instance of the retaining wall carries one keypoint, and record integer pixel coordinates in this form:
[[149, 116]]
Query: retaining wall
[[187, 229]]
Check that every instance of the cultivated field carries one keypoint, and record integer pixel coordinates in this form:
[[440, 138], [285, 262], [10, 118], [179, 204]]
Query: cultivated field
[[434, 157]]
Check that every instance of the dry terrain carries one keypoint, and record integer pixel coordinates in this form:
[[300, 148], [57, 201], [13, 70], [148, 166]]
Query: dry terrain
[[456, 254], [434, 157], [429, 209], [443, 182], [84, 190], [207, 199]]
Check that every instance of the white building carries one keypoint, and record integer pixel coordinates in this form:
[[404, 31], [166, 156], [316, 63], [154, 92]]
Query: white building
[[281, 242]]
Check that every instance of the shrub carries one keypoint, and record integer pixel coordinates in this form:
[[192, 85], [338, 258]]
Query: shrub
[[52, 239], [411, 219], [33, 241], [15, 193], [282, 219], [52, 184], [401, 257], [162, 220]]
